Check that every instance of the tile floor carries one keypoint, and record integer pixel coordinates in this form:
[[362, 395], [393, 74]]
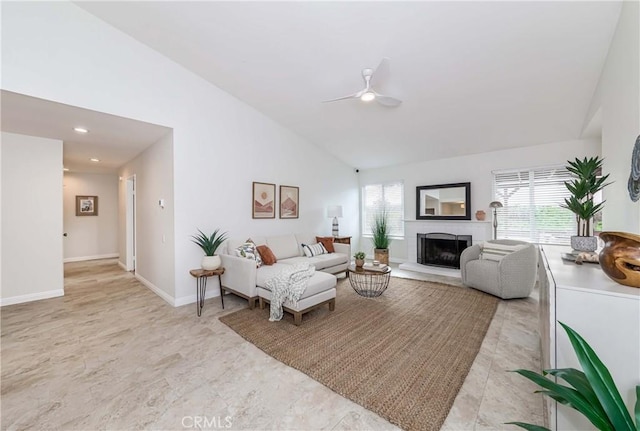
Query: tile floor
[[110, 354]]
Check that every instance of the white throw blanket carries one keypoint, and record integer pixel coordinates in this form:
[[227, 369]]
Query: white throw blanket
[[289, 284]]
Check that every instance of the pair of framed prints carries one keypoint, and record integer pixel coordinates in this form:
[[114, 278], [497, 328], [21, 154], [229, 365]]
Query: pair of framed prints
[[264, 201]]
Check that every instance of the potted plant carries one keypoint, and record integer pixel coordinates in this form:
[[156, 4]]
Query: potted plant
[[381, 237], [210, 244], [359, 256], [584, 185], [592, 392]]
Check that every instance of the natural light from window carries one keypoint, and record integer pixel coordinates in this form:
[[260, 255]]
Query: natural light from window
[[531, 200], [387, 196]]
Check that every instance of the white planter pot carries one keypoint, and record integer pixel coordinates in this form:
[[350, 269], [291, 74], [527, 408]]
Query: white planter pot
[[211, 262], [584, 243]]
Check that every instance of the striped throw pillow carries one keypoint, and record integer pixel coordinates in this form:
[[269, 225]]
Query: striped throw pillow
[[495, 252], [311, 250]]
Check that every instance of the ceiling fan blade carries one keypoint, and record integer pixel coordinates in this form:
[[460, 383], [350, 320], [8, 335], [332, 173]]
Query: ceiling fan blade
[[351, 96], [387, 100], [381, 74]]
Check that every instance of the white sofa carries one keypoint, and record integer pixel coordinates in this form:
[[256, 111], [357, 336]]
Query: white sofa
[[242, 278]]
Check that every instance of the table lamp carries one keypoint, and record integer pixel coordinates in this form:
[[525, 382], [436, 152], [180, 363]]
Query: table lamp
[[495, 205], [334, 211]]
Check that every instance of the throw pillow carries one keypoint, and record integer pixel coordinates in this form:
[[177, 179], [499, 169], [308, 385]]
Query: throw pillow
[[494, 251], [327, 241], [314, 249], [248, 251], [268, 258]]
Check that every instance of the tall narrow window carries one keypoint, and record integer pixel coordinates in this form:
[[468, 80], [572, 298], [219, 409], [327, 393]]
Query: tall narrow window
[[388, 196], [531, 201]]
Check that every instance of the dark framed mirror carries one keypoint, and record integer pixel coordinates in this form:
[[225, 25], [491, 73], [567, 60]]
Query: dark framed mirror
[[444, 202]]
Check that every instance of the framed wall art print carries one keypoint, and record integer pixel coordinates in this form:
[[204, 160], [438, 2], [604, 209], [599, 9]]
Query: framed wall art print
[[289, 202], [264, 200], [86, 205]]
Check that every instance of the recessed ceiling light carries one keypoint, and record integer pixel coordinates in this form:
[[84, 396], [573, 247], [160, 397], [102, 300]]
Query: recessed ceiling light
[[93, 159], [81, 130], [65, 169]]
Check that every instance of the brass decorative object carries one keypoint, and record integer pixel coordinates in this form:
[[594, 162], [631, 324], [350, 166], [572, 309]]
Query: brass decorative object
[[620, 257]]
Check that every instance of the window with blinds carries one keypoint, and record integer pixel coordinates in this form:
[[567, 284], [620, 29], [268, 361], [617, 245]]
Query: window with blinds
[[388, 196], [531, 202]]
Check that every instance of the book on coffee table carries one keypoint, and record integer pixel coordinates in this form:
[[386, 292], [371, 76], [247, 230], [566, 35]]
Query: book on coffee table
[[371, 267]]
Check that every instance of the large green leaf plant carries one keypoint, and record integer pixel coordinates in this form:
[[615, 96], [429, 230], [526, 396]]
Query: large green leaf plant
[[584, 185], [592, 392]]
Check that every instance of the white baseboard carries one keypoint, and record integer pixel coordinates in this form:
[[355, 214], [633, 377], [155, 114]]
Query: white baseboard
[[31, 297], [122, 265], [95, 257], [212, 292], [155, 289]]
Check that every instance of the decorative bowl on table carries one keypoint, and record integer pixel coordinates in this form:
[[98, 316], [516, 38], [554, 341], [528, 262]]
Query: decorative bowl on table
[[620, 257]]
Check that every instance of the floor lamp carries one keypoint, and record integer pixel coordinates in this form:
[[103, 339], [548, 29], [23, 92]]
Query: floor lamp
[[495, 205], [334, 211]]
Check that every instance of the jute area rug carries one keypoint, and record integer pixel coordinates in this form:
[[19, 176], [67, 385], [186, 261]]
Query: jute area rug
[[403, 355]]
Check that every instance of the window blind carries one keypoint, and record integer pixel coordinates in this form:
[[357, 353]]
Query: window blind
[[388, 197], [531, 202]]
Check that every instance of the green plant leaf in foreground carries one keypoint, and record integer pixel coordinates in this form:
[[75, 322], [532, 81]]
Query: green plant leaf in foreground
[[578, 380], [529, 427], [573, 398], [638, 408], [594, 393], [601, 382]]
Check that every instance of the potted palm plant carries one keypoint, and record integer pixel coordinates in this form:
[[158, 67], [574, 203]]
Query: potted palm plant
[[584, 185], [381, 237], [209, 244]]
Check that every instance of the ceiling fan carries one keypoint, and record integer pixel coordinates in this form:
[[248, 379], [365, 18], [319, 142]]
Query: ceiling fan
[[367, 94]]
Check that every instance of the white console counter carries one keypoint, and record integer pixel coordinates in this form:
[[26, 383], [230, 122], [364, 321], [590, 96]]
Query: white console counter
[[606, 314]]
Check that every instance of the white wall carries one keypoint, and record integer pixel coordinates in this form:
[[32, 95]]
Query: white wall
[[90, 237], [220, 144], [474, 168], [618, 94], [155, 239], [31, 218]]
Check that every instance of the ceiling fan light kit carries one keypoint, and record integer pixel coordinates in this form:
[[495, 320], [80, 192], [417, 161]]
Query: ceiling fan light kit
[[368, 93], [367, 96]]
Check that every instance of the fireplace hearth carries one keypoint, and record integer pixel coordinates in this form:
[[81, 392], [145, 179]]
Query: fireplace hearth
[[441, 249]]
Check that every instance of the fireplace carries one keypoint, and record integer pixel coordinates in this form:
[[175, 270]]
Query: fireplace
[[441, 249]]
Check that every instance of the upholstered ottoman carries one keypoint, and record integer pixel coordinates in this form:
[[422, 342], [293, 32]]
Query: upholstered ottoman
[[320, 290]]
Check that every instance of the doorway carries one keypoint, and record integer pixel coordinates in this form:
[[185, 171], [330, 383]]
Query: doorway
[[131, 224]]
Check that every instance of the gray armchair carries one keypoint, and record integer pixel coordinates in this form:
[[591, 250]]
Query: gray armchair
[[512, 277]]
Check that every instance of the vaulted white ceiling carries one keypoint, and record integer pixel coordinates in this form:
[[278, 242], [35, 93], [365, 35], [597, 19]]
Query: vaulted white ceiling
[[474, 76]]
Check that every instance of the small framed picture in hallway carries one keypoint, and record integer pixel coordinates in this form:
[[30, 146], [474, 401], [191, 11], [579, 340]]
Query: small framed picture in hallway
[[86, 205]]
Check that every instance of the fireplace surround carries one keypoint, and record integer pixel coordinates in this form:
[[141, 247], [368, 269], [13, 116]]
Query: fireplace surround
[[441, 249]]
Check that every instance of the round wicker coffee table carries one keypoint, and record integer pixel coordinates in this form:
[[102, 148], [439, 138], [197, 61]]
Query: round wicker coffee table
[[369, 282]]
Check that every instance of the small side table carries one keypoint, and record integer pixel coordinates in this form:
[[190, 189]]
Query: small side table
[[201, 276], [342, 239]]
